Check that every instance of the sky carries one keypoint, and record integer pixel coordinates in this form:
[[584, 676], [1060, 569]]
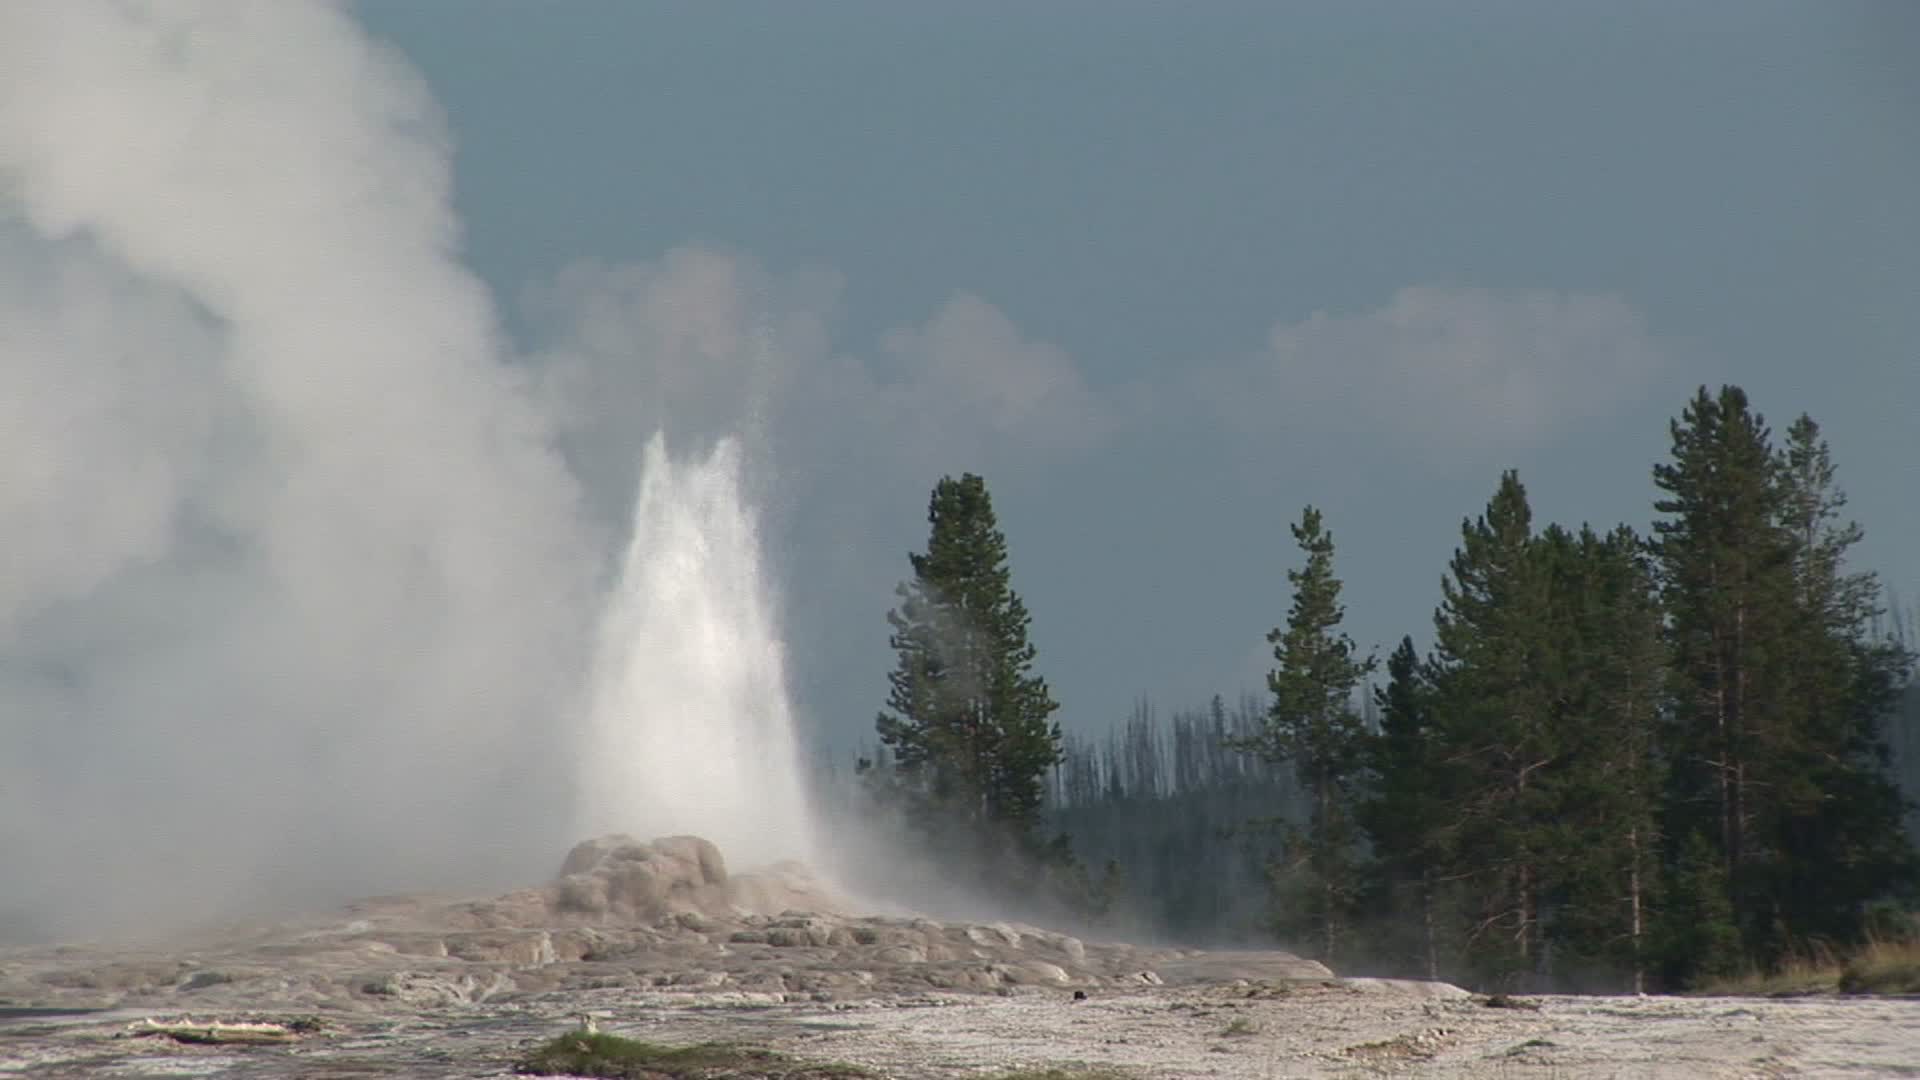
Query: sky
[[1182, 271], [332, 337]]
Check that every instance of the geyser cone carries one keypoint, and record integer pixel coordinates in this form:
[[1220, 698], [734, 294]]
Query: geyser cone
[[691, 730]]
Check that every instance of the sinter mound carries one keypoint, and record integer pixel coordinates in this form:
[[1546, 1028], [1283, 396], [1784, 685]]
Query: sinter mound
[[618, 879], [622, 913]]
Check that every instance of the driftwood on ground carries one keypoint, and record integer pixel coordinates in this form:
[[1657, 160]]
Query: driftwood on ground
[[237, 1032]]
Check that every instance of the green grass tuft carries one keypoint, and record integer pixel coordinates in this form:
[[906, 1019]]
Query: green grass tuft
[[579, 1053]]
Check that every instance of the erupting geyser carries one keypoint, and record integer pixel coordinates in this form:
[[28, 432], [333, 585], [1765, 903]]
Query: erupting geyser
[[690, 729]]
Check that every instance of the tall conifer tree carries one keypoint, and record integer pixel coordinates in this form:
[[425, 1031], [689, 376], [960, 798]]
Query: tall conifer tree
[[1612, 780], [1495, 718], [967, 718], [1727, 585], [1407, 798], [1778, 762], [1839, 809], [1314, 726]]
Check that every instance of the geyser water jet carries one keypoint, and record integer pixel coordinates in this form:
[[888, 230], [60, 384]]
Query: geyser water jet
[[690, 728]]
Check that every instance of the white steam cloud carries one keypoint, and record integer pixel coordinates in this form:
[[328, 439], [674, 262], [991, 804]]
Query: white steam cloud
[[292, 578], [302, 567]]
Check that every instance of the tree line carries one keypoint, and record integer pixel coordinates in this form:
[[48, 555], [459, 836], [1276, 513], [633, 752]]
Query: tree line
[[1628, 759]]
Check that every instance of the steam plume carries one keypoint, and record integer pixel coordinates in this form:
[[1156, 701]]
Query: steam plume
[[293, 585]]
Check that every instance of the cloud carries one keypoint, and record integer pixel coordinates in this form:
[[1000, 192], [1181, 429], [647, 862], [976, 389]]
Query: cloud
[[1447, 368], [700, 344], [707, 344], [294, 577], [968, 381]]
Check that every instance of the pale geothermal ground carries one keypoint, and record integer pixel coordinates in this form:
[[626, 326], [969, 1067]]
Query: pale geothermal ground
[[658, 941]]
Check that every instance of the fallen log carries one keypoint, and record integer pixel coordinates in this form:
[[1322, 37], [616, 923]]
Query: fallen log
[[238, 1032]]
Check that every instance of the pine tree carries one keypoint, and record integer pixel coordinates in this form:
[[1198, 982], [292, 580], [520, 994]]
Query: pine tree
[[1812, 503], [1496, 725], [1726, 582], [1697, 932], [967, 719], [1407, 798], [1612, 779], [1313, 725], [1777, 751], [1839, 809]]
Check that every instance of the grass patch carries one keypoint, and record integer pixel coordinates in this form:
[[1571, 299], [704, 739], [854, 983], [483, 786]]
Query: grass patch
[[1813, 968], [580, 1053], [1881, 966], [1795, 978]]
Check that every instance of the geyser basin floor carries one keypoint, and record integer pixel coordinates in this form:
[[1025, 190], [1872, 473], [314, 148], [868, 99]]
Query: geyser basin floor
[[1234, 1032], [657, 941]]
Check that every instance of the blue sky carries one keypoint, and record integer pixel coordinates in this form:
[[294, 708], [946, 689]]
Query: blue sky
[[1165, 273]]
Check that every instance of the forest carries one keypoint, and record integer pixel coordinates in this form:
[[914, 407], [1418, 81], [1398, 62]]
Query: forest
[[1637, 758]]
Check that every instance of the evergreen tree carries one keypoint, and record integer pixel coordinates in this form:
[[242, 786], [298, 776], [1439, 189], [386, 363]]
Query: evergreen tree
[[1726, 582], [1313, 725], [967, 719], [1838, 602], [1612, 779], [1407, 799], [1840, 809], [1902, 630], [1697, 933], [1496, 705], [1778, 761]]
